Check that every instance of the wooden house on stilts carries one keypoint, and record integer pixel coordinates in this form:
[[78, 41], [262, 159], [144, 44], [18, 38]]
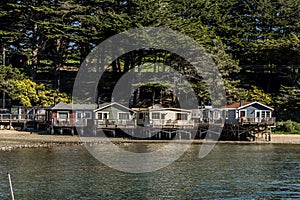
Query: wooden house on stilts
[[64, 116], [248, 119]]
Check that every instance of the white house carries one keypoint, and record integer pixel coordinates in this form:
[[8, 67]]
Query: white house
[[159, 116]]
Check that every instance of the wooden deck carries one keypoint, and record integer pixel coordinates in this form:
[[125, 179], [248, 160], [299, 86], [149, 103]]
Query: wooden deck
[[270, 122], [20, 118], [243, 127]]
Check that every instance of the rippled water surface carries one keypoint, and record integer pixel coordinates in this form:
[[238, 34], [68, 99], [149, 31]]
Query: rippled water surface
[[228, 172]]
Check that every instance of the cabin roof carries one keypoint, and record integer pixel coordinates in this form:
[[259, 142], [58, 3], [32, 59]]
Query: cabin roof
[[65, 106], [105, 105], [238, 105], [171, 109], [140, 109], [61, 106], [84, 106]]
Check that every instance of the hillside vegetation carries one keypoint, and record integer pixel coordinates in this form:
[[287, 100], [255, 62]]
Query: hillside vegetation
[[254, 44]]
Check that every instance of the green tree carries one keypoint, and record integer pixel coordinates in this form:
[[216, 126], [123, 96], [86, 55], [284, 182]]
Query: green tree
[[26, 92]]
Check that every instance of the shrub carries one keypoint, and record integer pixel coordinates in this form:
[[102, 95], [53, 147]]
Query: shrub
[[287, 127]]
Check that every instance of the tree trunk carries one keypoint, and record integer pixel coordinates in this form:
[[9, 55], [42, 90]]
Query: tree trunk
[[58, 62]]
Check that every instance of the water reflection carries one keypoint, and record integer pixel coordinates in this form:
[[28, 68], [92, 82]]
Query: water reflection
[[229, 171]]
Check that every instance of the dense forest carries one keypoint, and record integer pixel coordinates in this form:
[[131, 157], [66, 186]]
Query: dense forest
[[255, 45]]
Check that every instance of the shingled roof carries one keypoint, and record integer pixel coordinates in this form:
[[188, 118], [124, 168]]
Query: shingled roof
[[240, 105], [64, 106], [237, 104], [105, 105]]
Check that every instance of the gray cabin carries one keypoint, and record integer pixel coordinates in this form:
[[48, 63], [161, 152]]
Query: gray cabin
[[247, 113], [207, 114], [64, 115]]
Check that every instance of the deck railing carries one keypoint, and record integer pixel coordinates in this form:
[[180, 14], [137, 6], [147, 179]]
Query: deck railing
[[21, 117], [256, 120], [172, 123], [117, 122], [70, 122]]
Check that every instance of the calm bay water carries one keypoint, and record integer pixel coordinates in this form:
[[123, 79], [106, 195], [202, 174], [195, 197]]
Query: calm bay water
[[228, 172]]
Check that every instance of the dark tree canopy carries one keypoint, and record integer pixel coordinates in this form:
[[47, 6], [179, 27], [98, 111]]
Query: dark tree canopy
[[254, 44]]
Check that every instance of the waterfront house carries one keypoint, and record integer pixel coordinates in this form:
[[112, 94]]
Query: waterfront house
[[62, 116], [248, 112], [173, 117], [25, 113], [114, 115], [206, 114], [142, 116]]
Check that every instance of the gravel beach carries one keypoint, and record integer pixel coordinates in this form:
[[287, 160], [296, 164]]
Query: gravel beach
[[12, 139]]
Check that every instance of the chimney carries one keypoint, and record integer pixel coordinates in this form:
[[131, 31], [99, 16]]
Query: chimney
[[241, 102]]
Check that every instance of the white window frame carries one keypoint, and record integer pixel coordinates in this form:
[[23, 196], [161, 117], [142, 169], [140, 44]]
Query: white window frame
[[255, 113], [265, 113], [155, 113], [81, 113], [242, 111], [87, 112], [257, 119], [180, 114], [102, 115], [217, 114], [63, 112], [226, 114], [269, 112], [124, 113], [141, 115], [205, 114]]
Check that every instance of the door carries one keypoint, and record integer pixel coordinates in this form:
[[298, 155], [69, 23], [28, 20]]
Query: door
[[242, 113], [257, 116]]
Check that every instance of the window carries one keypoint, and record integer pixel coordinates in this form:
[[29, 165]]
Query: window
[[123, 116], [217, 115], [226, 114], [181, 116], [79, 115], [141, 115], [103, 115], [155, 115], [257, 114], [87, 115], [205, 114], [63, 115], [265, 114]]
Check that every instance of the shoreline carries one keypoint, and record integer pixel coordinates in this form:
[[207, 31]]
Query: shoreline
[[12, 139]]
